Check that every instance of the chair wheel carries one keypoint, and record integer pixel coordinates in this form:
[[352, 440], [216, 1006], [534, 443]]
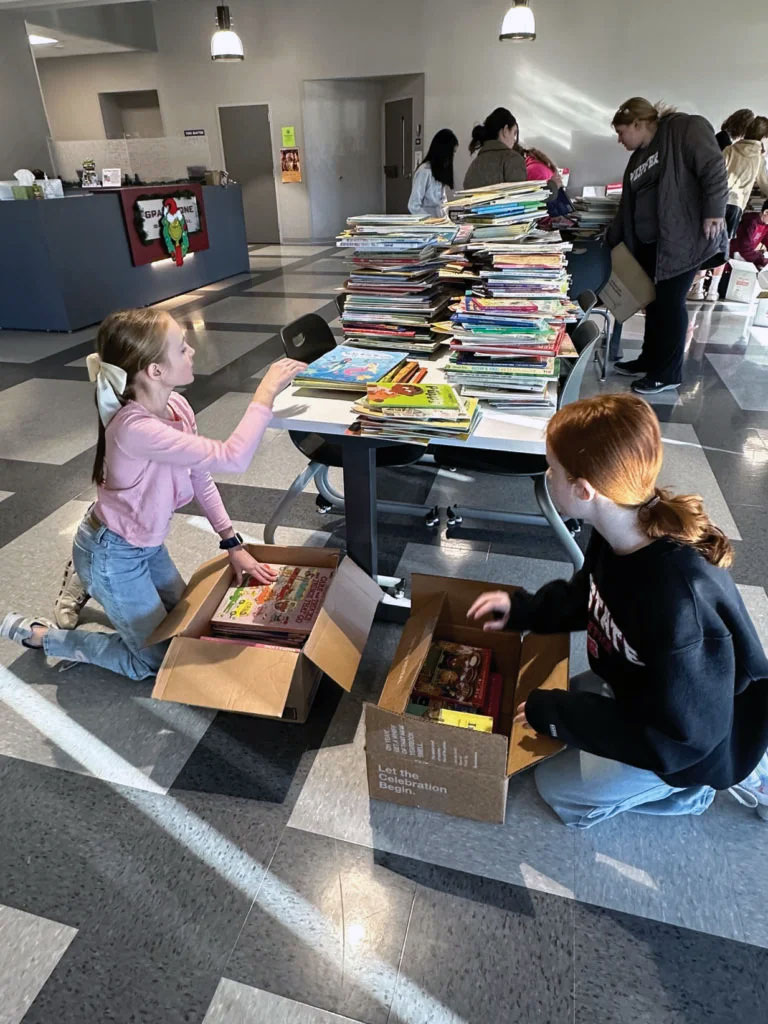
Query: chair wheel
[[323, 506], [399, 593], [453, 516], [573, 526], [432, 518]]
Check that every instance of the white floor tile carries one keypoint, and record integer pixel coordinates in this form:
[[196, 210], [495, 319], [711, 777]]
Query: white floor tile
[[29, 346], [29, 433], [30, 949]]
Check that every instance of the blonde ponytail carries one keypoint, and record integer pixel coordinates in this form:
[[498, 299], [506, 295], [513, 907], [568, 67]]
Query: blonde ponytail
[[681, 518], [638, 108]]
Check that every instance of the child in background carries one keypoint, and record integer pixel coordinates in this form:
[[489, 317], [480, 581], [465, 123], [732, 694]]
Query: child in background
[[150, 461], [675, 706]]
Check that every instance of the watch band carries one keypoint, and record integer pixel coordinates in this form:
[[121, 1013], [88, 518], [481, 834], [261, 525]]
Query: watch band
[[231, 542]]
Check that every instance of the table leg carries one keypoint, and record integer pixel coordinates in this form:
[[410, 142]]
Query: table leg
[[359, 467], [614, 345]]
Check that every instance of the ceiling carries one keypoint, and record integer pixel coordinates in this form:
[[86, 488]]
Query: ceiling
[[69, 45]]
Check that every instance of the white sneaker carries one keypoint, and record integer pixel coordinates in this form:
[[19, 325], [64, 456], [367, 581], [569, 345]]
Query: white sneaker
[[71, 600], [712, 295], [696, 294], [753, 791]]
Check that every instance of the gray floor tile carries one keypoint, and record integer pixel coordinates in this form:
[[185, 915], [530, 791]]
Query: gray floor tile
[[252, 310], [260, 264], [295, 249], [745, 376], [227, 282], [331, 265], [687, 471], [327, 928], [31, 948], [27, 434], [86, 719], [168, 305], [29, 346], [756, 601], [214, 349], [665, 868], [312, 284], [234, 1003]]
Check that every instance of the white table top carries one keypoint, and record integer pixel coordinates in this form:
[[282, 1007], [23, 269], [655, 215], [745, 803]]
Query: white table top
[[330, 412]]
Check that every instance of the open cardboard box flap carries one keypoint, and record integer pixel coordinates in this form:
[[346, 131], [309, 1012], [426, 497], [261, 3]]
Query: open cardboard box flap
[[414, 645], [224, 676], [179, 620], [543, 666], [338, 638]]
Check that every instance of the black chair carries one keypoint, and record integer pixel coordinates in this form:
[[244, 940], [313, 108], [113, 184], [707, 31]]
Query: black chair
[[307, 339], [585, 339], [588, 300], [340, 299]]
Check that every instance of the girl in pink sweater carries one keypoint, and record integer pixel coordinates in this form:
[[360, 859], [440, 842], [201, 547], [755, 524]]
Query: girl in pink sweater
[[150, 461]]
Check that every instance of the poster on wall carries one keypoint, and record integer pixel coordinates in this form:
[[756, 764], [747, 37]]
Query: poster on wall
[[290, 164], [289, 136], [164, 222]]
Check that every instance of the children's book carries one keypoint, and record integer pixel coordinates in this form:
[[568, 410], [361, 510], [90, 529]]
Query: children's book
[[454, 674], [348, 368]]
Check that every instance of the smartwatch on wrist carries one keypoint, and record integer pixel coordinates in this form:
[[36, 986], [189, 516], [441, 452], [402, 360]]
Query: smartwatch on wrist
[[231, 542]]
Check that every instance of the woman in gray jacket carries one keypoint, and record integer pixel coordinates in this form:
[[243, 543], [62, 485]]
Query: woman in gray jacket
[[672, 219], [497, 161]]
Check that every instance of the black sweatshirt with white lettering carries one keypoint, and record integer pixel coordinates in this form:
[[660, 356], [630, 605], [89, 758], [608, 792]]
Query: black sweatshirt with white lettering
[[670, 635]]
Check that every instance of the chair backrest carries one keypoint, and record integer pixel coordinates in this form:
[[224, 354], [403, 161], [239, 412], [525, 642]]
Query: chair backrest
[[571, 390], [340, 299], [587, 300], [585, 333], [307, 338]]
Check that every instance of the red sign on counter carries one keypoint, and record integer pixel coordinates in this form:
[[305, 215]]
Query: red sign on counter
[[164, 222]]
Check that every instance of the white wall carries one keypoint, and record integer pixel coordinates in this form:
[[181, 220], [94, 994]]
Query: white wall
[[23, 127], [564, 87]]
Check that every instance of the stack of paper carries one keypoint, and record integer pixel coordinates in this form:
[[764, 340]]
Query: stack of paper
[[394, 293], [501, 211], [415, 413]]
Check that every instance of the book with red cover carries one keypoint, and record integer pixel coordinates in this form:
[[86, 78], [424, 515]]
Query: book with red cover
[[455, 674], [492, 705]]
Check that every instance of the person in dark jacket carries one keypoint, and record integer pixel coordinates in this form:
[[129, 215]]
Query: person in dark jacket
[[676, 703], [497, 160], [672, 219], [734, 127], [752, 237]]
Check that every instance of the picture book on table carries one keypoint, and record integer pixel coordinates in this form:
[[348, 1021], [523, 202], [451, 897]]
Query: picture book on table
[[285, 610], [417, 397], [454, 674], [348, 367]]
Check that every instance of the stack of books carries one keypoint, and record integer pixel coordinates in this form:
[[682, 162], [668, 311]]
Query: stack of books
[[416, 413], [501, 211], [595, 213], [509, 331], [280, 613], [345, 368], [456, 686], [394, 293]]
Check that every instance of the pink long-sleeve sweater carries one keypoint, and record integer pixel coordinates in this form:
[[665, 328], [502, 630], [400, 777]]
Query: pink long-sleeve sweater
[[154, 466]]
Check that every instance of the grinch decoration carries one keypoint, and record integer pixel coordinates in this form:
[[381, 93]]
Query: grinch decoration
[[174, 231]]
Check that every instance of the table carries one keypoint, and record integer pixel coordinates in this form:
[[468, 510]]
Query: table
[[329, 413]]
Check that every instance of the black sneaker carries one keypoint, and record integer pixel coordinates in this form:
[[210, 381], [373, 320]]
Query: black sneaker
[[629, 367], [647, 386]]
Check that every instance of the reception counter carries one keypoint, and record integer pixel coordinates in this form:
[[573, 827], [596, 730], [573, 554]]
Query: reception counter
[[66, 263]]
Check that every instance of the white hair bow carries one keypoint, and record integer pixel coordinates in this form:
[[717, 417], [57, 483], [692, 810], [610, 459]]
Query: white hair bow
[[110, 383]]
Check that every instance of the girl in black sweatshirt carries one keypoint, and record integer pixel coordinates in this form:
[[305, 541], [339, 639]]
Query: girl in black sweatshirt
[[676, 704]]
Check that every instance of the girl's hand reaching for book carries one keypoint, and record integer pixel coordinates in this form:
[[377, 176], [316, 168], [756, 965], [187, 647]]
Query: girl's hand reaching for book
[[520, 718], [495, 603], [276, 379], [244, 564]]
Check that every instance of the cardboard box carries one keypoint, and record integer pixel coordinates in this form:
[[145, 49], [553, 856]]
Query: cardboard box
[[420, 763], [629, 289], [259, 681], [761, 312], [742, 284]]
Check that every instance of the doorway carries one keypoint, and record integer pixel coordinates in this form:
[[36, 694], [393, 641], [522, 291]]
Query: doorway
[[354, 129], [398, 154], [246, 144]]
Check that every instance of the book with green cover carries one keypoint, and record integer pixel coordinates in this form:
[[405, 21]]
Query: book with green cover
[[431, 397]]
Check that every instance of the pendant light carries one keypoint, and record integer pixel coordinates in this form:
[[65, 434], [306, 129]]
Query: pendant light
[[518, 22], [226, 45]]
